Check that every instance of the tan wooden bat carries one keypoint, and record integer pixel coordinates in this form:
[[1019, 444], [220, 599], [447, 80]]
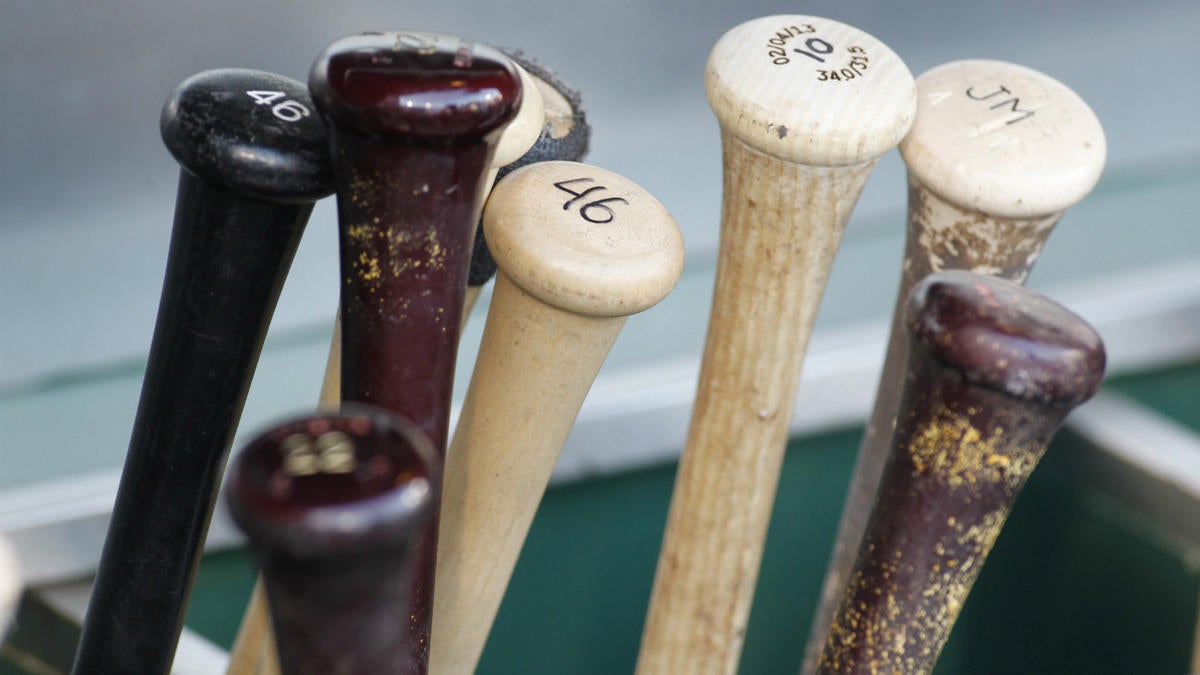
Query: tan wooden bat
[[10, 585], [578, 249], [807, 106]]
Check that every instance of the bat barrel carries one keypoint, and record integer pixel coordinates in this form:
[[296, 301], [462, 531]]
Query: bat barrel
[[993, 370], [333, 505], [254, 159]]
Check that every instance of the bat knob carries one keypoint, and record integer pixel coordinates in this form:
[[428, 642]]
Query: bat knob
[[564, 136], [418, 85], [1003, 139], [250, 131], [333, 484], [583, 239], [1008, 338], [526, 126], [810, 90]]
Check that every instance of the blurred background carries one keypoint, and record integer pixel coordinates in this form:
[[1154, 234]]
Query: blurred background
[[86, 201]]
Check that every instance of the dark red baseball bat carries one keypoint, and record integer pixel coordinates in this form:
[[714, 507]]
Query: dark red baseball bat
[[254, 160], [333, 505], [993, 370], [413, 121]]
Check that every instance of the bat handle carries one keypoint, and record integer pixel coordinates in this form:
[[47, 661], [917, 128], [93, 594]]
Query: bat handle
[[796, 156], [568, 276], [254, 160], [992, 371]]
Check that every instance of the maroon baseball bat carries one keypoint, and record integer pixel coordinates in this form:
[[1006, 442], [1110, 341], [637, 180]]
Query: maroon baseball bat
[[993, 369], [333, 505], [413, 120]]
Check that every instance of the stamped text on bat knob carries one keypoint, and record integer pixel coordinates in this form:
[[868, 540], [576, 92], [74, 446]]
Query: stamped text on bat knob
[[779, 83], [777, 46], [788, 39], [417, 84]]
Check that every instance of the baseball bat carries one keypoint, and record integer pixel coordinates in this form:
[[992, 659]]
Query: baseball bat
[[332, 505], [1196, 647], [564, 136], [993, 369], [254, 160], [11, 586], [578, 249], [413, 120], [253, 643], [517, 141], [806, 107], [998, 152]]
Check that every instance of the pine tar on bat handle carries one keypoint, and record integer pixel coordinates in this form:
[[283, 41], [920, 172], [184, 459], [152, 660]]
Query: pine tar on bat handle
[[993, 370], [413, 120]]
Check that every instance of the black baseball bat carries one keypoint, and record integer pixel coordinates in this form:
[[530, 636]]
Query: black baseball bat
[[254, 160]]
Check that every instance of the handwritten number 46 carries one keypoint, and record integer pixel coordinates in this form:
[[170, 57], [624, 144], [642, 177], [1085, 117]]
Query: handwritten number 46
[[588, 210]]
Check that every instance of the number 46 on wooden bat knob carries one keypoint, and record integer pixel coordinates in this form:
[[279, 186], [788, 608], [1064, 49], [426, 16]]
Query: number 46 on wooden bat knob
[[578, 249]]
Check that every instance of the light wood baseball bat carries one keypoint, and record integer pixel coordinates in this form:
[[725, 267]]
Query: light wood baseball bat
[[11, 586], [998, 152], [333, 505], [565, 136], [993, 370], [578, 249], [806, 106]]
